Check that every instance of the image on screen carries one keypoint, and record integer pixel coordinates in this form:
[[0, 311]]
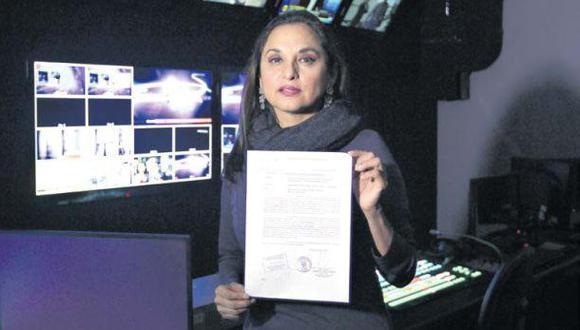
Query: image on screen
[[370, 14], [229, 137], [130, 127], [152, 169], [110, 80], [77, 142], [192, 139], [167, 96], [192, 166], [58, 79], [325, 10], [247, 3], [231, 89], [53, 111], [109, 112]]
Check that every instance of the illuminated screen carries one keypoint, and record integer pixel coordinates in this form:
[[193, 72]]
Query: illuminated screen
[[370, 14], [232, 87], [247, 3], [325, 10], [106, 126], [91, 281]]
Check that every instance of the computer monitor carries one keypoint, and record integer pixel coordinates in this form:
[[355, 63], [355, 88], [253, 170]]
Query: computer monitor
[[107, 127], [375, 15], [89, 280], [493, 204], [326, 10], [546, 189]]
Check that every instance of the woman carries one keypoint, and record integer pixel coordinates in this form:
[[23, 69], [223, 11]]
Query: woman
[[294, 100]]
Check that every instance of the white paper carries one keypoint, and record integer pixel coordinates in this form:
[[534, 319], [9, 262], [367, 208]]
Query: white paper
[[298, 209]]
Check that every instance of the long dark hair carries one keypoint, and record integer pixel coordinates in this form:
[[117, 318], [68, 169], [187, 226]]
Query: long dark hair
[[337, 73]]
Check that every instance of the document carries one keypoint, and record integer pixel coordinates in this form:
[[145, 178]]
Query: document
[[298, 214]]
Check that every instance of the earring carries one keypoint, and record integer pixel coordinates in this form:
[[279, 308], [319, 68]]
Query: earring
[[328, 98], [262, 101]]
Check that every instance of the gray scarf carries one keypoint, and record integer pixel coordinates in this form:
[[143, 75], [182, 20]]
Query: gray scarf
[[329, 130]]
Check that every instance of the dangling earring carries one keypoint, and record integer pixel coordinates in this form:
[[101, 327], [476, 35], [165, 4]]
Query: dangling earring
[[262, 101], [328, 97]]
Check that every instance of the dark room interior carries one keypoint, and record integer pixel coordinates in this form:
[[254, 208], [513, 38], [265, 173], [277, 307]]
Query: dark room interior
[[400, 79]]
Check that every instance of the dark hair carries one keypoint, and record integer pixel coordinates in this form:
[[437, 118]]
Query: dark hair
[[336, 65]]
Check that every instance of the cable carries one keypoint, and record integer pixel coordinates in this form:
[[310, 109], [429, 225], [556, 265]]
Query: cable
[[455, 236]]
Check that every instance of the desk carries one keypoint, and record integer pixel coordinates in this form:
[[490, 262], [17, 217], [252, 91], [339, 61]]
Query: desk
[[454, 310], [444, 311], [553, 299]]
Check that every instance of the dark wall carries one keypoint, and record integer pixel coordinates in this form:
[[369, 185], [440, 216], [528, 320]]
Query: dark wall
[[385, 83]]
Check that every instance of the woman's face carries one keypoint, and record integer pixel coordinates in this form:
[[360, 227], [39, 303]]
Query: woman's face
[[293, 70]]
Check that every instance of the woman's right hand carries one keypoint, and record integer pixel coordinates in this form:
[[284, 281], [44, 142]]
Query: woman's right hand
[[231, 300]]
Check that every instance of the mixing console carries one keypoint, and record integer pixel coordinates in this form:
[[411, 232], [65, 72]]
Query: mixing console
[[431, 279]]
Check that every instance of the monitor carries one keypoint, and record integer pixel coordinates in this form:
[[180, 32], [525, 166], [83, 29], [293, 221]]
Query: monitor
[[373, 15], [247, 3], [101, 127], [493, 204], [546, 189], [89, 280], [232, 87], [325, 10]]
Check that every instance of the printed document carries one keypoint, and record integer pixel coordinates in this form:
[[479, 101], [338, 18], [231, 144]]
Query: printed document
[[298, 214]]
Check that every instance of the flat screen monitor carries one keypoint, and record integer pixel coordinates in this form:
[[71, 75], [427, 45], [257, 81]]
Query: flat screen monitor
[[247, 3], [493, 204], [546, 188], [231, 99], [87, 280], [325, 10], [112, 126], [373, 15]]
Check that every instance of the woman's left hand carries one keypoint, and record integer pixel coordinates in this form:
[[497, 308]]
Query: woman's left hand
[[371, 179]]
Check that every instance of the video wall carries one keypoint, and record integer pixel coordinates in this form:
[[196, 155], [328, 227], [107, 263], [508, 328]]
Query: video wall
[[112, 126], [372, 15]]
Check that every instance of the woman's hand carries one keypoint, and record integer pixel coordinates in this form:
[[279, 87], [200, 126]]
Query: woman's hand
[[231, 300], [371, 179]]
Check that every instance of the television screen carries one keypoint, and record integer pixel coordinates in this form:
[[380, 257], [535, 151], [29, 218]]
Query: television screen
[[164, 96], [493, 204], [370, 14], [247, 3], [546, 188], [231, 90], [107, 126], [89, 280], [325, 10]]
